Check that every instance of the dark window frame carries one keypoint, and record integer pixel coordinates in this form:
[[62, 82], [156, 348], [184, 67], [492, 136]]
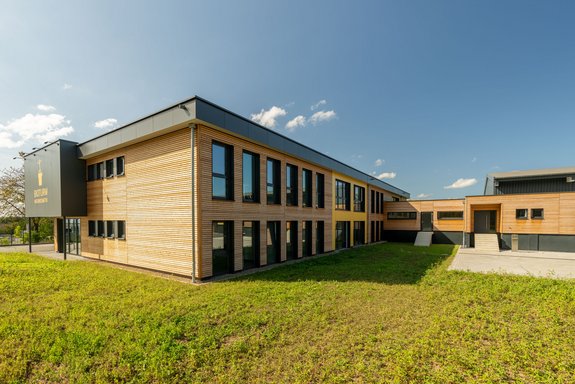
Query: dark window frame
[[398, 215], [320, 190], [255, 243], [358, 233], [101, 228], [524, 216], [275, 184], [109, 167], [121, 229], [342, 195], [358, 202], [120, 160], [291, 239], [227, 251], [291, 185], [306, 188], [92, 228], [228, 176], [537, 217], [449, 215], [255, 182], [110, 227]]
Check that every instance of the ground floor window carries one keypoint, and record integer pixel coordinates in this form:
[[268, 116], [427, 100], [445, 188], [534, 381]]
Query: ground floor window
[[358, 232], [251, 244], [273, 247], [341, 234], [222, 247], [73, 237], [306, 238], [319, 237], [381, 231], [291, 240]]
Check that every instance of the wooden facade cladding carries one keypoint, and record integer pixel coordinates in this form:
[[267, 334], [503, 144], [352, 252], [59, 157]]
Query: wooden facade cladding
[[559, 212], [239, 211], [444, 225], [153, 197]]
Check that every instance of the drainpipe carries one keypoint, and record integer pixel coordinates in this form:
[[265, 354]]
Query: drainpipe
[[193, 144]]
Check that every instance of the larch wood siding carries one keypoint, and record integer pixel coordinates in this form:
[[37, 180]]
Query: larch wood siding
[[239, 211], [444, 225], [154, 198]]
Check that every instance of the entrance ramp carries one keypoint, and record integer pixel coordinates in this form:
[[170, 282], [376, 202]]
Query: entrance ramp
[[487, 242], [423, 239]]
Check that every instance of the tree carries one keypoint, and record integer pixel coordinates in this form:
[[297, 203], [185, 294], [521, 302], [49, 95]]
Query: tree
[[12, 192]]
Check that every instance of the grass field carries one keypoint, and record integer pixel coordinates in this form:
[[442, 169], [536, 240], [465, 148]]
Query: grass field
[[383, 313]]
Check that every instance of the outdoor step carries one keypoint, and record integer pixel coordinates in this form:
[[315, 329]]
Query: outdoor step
[[486, 242], [423, 239]]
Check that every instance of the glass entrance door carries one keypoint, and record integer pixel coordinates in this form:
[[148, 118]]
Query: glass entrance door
[[73, 243]]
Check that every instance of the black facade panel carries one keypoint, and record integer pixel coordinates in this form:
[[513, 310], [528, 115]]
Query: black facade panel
[[544, 185], [409, 237], [557, 243], [400, 236], [447, 237]]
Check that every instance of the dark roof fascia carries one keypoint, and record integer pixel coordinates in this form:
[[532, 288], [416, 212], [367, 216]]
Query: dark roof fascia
[[47, 145]]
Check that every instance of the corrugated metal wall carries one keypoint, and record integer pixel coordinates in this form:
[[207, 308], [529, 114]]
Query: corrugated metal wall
[[558, 184]]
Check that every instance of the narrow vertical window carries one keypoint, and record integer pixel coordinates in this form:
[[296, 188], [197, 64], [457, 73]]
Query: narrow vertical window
[[109, 168], [222, 247], [358, 198], [273, 178], [372, 202], [381, 200], [120, 166], [319, 237], [121, 229], [251, 244], [306, 238], [273, 246], [250, 176], [306, 188], [291, 185], [341, 234], [101, 229], [222, 171], [291, 240], [92, 231], [358, 232], [101, 170], [110, 229], [319, 189], [372, 231]]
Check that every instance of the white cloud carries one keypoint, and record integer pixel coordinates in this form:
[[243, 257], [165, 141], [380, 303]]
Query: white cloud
[[321, 116], [387, 175], [66, 87], [45, 108], [268, 118], [461, 183], [474, 160], [318, 104], [34, 128], [106, 123], [296, 122], [379, 162], [423, 195]]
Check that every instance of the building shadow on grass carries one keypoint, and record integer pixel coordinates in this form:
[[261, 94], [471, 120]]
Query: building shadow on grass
[[390, 263]]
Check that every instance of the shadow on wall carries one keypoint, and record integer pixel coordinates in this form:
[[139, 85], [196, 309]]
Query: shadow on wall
[[390, 263]]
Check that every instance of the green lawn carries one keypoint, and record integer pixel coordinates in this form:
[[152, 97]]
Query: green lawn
[[384, 313]]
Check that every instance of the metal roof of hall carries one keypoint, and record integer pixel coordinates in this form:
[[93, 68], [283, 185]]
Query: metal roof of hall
[[533, 173], [199, 110]]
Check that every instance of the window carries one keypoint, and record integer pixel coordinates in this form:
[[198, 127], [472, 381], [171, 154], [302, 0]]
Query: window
[[306, 188], [380, 230], [250, 174], [101, 170], [109, 168], [377, 225], [92, 231], [120, 166], [319, 239], [222, 247], [121, 229], [101, 229], [273, 181], [537, 213], [92, 172], [342, 195], [358, 232], [522, 214], [450, 215], [306, 238], [291, 185], [358, 198], [395, 198], [319, 190], [273, 242], [251, 244], [381, 199], [372, 232], [222, 171], [377, 202], [341, 234], [291, 240], [372, 201], [401, 215], [110, 229]]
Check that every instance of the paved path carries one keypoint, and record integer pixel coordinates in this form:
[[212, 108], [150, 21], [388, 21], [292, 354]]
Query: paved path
[[46, 250], [531, 263]]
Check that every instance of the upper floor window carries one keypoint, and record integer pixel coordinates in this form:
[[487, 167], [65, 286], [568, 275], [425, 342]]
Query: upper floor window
[[273, 186], [358, 198], [120, 166], [250, 175], [109, 168], [222, 171], [342, 195], [450, 215], [401, 215], [537, 213], [372, 201], [306, 188], [291, 185], [319, 190]]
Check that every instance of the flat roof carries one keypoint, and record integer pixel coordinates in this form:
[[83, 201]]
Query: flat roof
[[534, 173], [199, 110]]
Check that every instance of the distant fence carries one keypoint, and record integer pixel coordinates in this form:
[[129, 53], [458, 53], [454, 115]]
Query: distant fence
[[7, 240]]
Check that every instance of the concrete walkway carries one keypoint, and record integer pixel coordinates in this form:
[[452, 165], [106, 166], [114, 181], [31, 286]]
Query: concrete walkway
[[530, 263], [46, 250]]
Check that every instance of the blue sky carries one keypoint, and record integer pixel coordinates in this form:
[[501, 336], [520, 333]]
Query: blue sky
[[438, 91]]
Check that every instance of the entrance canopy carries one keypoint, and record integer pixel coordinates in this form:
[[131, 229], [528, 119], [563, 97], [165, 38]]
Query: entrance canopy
[[54, 181]]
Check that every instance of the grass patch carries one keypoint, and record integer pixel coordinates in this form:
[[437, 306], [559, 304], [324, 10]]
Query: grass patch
[[383, 313]]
